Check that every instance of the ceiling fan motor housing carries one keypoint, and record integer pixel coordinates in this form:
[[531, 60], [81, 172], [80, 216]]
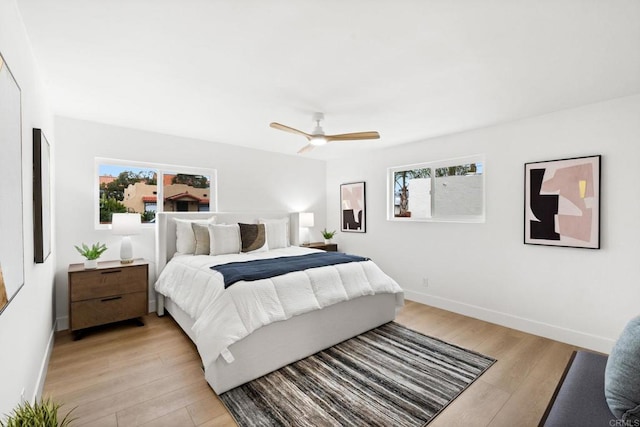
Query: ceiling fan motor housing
[[317, 134]]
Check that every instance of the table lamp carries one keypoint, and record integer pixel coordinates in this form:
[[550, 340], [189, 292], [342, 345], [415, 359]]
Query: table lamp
[[306, 222], [125, 225]]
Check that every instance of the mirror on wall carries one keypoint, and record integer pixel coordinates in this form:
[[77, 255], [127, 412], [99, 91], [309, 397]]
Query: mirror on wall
[[11, 226]]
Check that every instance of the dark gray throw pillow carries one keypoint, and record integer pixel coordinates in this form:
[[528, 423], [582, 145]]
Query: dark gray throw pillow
[[253, 237], [622, 375]]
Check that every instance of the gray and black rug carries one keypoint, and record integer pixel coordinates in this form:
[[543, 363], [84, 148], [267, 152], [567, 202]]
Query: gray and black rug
[[389, 376]]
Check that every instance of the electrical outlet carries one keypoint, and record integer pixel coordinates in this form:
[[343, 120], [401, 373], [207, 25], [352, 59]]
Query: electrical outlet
[[425, 282]]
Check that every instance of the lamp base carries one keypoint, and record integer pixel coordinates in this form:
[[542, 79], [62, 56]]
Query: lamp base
[[126, 251]]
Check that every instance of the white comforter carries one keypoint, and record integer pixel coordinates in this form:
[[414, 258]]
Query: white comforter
[[223, 317]]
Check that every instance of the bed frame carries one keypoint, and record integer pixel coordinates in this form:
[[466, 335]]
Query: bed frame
[[281, 343]]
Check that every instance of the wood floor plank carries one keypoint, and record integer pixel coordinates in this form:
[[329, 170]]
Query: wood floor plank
[[107, 421], [122, 375], [121, 383], [179, 417], [224, 420], [476, 406], [514, 366], [117, 402], [84, 378], [529, 401], [206, 409], [163, 404]]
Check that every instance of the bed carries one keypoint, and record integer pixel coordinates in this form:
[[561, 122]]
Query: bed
[[233, 357]]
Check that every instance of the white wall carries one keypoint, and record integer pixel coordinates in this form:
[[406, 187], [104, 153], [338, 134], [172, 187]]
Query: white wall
[[579, 296], [26, 325], [247, 180]]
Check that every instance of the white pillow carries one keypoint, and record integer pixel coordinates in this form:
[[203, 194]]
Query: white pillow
[[277, 232], [224, 239], [185, 236]]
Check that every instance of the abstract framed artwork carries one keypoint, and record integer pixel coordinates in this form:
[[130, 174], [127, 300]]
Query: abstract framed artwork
[[41, 197], [11, 226], [562, 202], [353, 215]]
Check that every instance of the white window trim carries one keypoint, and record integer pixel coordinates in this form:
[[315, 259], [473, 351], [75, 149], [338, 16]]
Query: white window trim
[[161, 169], [477, 158]]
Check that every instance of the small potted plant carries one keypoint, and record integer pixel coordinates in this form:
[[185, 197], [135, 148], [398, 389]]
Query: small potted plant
[[91, 254], [43, 413], [328, 235]]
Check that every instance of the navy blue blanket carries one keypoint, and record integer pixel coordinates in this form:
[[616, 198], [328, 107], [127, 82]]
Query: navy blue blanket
[[265, 268]]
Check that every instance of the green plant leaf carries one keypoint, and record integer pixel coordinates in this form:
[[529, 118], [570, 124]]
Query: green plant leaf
[[40, 414]]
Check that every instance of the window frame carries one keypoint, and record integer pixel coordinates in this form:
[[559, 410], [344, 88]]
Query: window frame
[[161, 169], [433, 165]]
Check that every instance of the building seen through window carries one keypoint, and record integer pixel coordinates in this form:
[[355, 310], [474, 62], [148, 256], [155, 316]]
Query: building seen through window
[[136, 190]]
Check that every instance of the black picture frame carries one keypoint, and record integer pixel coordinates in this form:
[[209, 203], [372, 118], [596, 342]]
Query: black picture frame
[[353, 207], [41, 197], [562, 202]]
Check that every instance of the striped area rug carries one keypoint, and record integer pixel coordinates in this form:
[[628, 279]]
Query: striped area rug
[[389, 376]]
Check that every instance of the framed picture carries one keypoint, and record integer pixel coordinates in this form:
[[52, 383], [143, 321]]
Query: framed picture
[[41, 197], [562, 202], [353, 215], [11, 233]]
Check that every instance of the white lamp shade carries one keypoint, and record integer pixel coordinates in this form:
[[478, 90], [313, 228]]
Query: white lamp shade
[[306, 219], [125, 224]]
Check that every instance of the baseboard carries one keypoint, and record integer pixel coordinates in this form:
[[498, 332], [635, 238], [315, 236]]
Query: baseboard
[[42, 376], [569, 336], [63, 323]]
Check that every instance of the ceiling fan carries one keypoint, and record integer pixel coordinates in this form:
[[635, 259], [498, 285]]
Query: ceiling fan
[[317, 136]]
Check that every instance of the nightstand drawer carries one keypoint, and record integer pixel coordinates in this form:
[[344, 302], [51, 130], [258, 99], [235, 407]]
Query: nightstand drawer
[[108, 309], [106, 282]]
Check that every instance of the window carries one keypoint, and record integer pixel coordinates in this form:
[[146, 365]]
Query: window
[[133, 187], [447, 190]]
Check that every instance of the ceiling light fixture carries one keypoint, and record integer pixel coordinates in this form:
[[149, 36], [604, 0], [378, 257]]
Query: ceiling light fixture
[[317, 140]]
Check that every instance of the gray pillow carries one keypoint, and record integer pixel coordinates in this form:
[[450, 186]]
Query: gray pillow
[[622, 375], [201, 233]]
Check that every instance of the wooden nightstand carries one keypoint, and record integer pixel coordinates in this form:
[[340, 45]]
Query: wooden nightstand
[[110, 293], [329, 247]]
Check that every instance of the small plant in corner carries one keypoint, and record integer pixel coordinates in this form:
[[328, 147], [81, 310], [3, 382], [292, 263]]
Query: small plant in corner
[[93, 252], [41, 414], [328, 235]]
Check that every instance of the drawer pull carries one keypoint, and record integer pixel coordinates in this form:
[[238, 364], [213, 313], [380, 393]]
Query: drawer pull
[[109, 299], [111, 272]]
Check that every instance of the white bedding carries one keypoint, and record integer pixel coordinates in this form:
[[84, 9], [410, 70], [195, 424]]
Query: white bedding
[[223, 317]]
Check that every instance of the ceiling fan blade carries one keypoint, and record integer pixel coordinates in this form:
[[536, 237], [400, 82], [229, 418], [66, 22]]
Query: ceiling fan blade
[[289, 129], [353, 136], [306, 148]]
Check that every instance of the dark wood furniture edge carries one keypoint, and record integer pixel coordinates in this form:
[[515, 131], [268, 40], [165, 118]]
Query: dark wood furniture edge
[[104, 265], [557, 390]]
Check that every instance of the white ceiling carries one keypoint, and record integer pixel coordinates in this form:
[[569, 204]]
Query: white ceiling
[[411, 69]]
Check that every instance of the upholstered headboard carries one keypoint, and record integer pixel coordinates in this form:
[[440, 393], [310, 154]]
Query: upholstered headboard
[[166, 228]]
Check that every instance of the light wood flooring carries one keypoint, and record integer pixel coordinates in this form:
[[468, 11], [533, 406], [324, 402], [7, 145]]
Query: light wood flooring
[[123, 375]]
